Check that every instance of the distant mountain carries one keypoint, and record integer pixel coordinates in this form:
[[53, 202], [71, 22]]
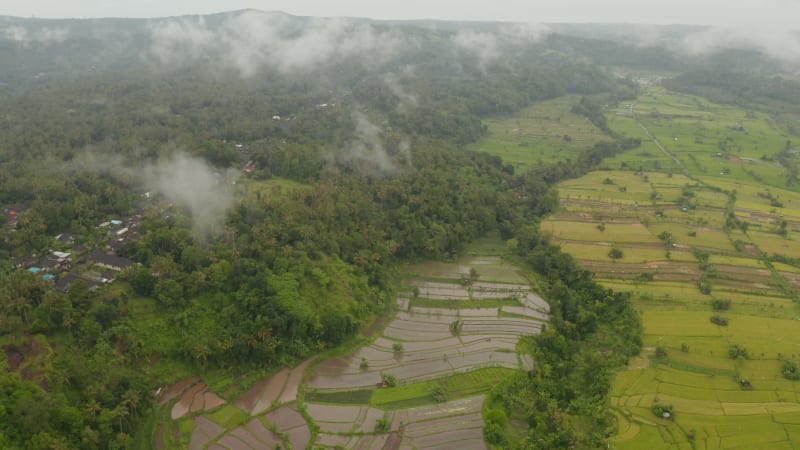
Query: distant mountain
[[39, 51]]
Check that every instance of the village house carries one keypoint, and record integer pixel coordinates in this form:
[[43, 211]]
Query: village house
[[107, 276], [66, 282], [110, 261], [66, 238]]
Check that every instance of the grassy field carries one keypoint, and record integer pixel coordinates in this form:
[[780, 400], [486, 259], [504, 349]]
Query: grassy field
[[693, 234], [727, 166], [452, 387], [544, 132]]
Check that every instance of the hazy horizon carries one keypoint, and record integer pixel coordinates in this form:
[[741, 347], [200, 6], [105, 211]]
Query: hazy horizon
[[769, 14]]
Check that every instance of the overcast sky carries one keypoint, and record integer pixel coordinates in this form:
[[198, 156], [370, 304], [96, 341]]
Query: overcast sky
[[747, 13]]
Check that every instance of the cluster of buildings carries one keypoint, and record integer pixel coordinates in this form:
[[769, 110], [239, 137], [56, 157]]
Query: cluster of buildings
[[12, 214], [96, 266]]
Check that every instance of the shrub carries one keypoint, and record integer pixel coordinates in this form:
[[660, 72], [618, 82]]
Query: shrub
[[397, 347], [615, 253], [790, 370], [389, 380], [473, 274], [496, 425], [645, 276], [663, 411], [685, 347], [497, 416], [661, 352], [738, 352], [383, 424], [720, 304], [701, 255], [719, 320], [439, 394], [494, 434], [364, 364], [456, 325], [704, 286]]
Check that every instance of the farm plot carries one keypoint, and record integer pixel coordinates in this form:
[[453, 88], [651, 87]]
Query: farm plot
[[193, 396], [205, 419], [718, 400], [431, 348], [279, 388], [491, 268], [545, 131], [454, 424], [484, 341], [454, 336]]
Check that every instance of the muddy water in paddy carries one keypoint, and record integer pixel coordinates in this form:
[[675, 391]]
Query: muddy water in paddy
[[204, 430], [332, 440], [176, 389], [233, 443], [289, 393], [212, 400], [429, 348], [256, 428], [291, 422], [267, 391], [255, 435], [184, 405]]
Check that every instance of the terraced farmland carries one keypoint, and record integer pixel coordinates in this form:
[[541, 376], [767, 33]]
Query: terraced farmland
[[445, 331], [704, 228], [210, 422], [419, 384], [544, 132]]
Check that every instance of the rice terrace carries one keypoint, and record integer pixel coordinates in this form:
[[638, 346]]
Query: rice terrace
[[699, 225], [419, 383]]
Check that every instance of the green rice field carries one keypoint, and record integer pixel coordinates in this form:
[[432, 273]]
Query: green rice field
[[697, 234]]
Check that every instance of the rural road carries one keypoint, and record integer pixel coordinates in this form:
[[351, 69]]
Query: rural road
[[655, 141]]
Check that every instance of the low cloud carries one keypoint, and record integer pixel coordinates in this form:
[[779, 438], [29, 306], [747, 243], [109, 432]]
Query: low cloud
[[250, 41], [369, 154], [204, 192], [368, 145], [491, 46], [393, 82], [26, 37], [777, 43]]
